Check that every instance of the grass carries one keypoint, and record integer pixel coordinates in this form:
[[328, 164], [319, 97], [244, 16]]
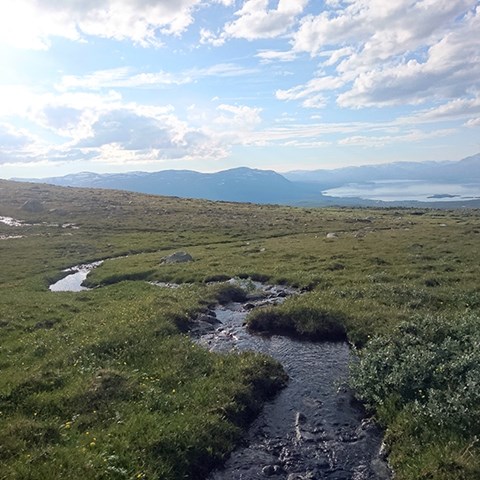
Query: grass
[[105, 384]]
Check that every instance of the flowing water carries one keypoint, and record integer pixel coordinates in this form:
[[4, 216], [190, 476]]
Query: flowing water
[[313, 429], [73, 282]]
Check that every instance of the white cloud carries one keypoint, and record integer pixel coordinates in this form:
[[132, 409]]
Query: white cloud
[[473, 122], [298, 144], [255, 20], [124, 77], [381, 141], [236, 122], [105, 128], [12, 139], [309, 92], [118, 78], [19, 146], [457, 109], [207, 37], [274, 55], [380, 29], [32, 23], [451, 68], [388, 53]]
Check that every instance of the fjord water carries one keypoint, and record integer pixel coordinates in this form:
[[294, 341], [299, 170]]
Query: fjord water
[[405, 190], [313, 429]]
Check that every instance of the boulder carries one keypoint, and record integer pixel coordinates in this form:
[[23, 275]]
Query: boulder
[[177, 257]]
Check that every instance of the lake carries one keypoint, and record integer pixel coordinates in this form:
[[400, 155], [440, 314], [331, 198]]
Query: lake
[[400, 190]]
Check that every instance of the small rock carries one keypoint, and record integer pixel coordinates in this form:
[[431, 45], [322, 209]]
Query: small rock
[[177, 257], [268, 470], [205, 318]]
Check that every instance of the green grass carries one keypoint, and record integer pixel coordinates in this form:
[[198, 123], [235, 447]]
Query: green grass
[[105, 384]]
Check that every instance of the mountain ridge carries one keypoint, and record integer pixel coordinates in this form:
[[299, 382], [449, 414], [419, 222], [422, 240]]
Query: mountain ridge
[[300, 187]]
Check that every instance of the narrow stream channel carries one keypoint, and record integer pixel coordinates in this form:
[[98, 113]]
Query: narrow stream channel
[[73, 282], [313, 429]]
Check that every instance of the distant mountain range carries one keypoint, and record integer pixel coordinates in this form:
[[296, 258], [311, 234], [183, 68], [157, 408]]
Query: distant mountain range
[[292, 188], [463, 171]]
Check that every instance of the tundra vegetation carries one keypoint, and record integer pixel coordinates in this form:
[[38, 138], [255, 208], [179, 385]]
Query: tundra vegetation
[[105, 383]]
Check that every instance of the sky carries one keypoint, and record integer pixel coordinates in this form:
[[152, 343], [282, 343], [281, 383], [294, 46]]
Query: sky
[[207, 85]]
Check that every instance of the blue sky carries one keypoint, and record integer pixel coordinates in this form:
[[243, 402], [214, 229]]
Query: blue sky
[[121, 85]]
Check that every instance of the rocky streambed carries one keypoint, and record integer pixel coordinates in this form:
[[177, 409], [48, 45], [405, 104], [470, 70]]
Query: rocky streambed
[[314, 429]]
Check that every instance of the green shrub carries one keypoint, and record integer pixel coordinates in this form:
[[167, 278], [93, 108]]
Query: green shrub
[[432, 365], [424, 381]]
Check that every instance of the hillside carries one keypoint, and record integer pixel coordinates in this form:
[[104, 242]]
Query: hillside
[[105, 383]]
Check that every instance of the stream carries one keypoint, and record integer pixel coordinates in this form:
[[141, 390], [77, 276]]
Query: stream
[[73, 281], [313, 429]]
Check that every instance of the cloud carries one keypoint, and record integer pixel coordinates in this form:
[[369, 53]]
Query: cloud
[[11, 139], [95, 127], [238, 116], [274, 55], [473, 122], [451, 68], [368, 141], [457, 109], [256, 21], [18, 146], [118, 78], [378, 29], [389, 53], [125, 77], [309, 92], [32, 23]]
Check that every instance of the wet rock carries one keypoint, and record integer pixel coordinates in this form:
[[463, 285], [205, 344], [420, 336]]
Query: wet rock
[[383, 452], [268, 470], [201, 328], [303, 476], [208, 318], [177, 257], [381, 469]]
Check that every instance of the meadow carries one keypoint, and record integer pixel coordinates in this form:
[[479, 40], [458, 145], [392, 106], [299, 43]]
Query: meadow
[[107, 384]]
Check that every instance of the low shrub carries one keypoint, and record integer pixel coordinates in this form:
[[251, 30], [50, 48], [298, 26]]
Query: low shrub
[[423, 379]]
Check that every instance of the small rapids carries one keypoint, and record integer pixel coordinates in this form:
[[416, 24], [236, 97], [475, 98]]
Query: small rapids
[[313, 429]]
